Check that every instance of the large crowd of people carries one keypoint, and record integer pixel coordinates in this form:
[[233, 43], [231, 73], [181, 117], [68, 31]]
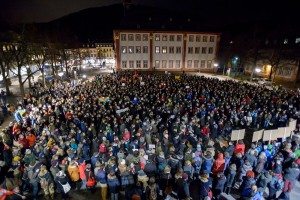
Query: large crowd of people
[[149, 136]]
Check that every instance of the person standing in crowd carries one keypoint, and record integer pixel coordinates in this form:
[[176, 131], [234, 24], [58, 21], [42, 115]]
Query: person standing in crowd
[[73, 172], [82, 174], [46, 183], [113, 184], [204, 186], [61, 181], [230, 178], [219, 184], [290, 175]]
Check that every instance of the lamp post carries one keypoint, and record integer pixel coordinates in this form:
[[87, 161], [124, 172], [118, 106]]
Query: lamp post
[[216, 67]]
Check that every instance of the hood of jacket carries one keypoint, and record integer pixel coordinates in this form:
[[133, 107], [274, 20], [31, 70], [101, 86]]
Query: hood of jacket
[[247, 167], [110, 177], [220, 156], [207, 157]]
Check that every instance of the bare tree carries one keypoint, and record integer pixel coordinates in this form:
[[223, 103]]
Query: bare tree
[[5, 61]]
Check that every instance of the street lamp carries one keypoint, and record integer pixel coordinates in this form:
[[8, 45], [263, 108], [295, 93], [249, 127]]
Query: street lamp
[[84, 76], [60, 74], [257, 70]]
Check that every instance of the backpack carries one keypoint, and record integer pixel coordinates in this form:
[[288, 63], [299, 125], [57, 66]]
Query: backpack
[[161, 166], [91, 182], [136, 197], [279, 185], [153, 194], [102, 148]]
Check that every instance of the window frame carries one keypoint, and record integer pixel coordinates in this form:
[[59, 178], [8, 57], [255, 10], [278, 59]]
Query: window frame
[[157, 49], [130, 37]]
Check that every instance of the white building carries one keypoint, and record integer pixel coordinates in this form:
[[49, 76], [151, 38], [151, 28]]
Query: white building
[[165, 50]]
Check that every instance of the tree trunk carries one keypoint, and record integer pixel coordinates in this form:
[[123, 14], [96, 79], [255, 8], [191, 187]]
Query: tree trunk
[[5, 81], [271, 72], [43, 76], [29, 83], [21, 85]]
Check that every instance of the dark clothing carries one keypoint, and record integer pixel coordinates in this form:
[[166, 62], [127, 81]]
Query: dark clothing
[[219, 186], [291, 174], [230, 176], [204, 187], [61, 180]]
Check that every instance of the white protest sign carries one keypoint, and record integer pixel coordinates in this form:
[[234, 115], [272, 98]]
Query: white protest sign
[[121, 110]]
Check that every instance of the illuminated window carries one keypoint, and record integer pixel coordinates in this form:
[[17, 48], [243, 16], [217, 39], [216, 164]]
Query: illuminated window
[[164, 38], [124, 49], [164, 49], [285, 41], [157, 37], [157, 49], [130, 49], [297, 41]]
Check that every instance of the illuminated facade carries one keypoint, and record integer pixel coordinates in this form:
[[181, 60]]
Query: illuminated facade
[[165, 50]]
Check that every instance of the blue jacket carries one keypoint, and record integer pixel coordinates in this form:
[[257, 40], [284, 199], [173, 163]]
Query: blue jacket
[[207, 164], [101, 177]]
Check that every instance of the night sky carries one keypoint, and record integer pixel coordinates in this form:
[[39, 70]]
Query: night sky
[[47, 10]]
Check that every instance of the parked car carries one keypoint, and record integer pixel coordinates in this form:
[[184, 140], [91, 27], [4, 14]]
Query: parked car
[[262, 81]]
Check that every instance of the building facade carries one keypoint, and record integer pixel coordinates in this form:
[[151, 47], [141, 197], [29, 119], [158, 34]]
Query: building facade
[[165, 50], [97, 53]]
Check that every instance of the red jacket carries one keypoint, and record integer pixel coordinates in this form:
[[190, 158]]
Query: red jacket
[[219, 164], [82, 168], [31, 140], [4, 193], [239, 148]]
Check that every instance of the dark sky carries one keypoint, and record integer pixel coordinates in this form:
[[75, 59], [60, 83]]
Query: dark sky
[[47, 10]]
